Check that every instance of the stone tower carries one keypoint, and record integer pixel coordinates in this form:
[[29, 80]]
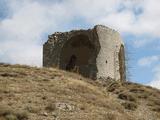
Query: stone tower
[[98, 53]]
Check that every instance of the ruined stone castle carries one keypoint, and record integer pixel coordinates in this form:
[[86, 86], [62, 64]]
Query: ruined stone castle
[[96, 53]]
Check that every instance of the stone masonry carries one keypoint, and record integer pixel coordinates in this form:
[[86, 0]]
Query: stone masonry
[[96, 53]]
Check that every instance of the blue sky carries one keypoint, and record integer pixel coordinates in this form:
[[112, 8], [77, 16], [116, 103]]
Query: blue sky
[[25, 25]]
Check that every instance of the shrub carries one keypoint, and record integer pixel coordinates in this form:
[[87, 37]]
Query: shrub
[[110, 116], [134, 90], [9, 74], [32, 109], [9, 114], [156, 109], [129, 105], [125, 96], [51, 107], [22, 115], [113, 87], [11, 117]]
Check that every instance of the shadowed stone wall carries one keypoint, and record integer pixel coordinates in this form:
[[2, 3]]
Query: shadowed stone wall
[[99, 53]]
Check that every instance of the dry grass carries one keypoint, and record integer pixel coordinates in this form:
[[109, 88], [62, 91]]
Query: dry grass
[[7, 113], [34, 92], [130, 105]]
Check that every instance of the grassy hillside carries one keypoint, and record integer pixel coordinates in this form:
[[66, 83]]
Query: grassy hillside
[[51, 94]]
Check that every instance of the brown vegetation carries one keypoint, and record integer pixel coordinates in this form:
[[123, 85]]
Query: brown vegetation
[[46, 93]]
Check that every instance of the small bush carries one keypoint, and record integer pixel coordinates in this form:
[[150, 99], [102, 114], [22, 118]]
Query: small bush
[[51, 107], [4, 111], [154, 102], [22, 115], [129, 105], [9, 114], [4, 65], [11, 117], [44, 97], [134, 90], [156, 109], [113, 87], [32, 109], [144, 96], [8, 74], [110, 116], [82, 108], [125, 96]]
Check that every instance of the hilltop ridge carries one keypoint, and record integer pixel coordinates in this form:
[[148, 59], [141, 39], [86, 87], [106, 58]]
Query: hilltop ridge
[[51, 94]]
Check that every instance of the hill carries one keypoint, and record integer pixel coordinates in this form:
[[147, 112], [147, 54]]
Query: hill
[[51, 94]]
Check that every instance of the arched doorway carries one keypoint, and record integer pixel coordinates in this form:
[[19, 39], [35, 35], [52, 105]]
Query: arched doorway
[[78, 51]]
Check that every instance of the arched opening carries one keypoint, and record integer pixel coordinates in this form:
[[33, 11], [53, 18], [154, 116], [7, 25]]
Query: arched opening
[[78, 52]]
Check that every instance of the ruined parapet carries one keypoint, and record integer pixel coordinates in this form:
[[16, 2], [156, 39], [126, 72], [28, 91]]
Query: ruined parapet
[[99, 52]]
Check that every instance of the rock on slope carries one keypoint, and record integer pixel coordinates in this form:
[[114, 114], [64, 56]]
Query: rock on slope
[[51, 94]]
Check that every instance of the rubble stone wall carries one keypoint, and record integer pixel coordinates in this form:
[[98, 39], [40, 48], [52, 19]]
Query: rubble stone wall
[[99, 53]]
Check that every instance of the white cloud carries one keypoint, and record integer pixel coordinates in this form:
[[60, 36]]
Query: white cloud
[[155, 83], [142, 42], [156, 80], [146, 22], [127, 21], [153, 62], [148, 61], [123, 16], [21, 33]]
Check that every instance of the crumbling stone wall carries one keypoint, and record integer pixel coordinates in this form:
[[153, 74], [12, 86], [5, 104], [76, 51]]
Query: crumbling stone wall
[[98, 52]]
